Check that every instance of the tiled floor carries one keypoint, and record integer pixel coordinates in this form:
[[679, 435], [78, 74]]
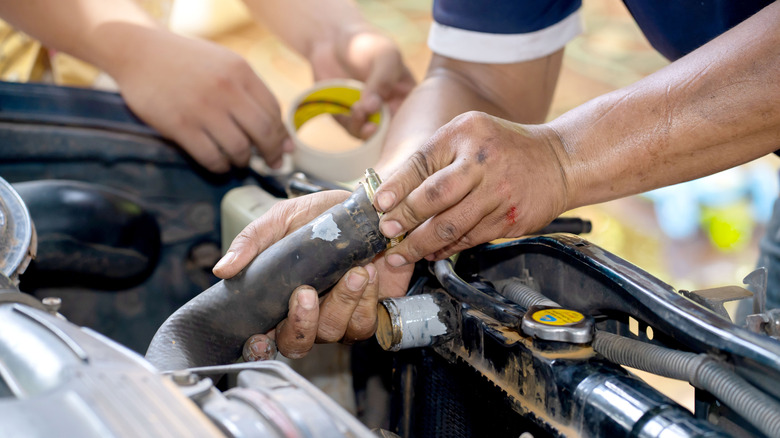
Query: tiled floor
[[610, 54]]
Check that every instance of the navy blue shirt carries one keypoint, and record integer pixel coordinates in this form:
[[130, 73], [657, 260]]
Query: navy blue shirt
[[674, 28]]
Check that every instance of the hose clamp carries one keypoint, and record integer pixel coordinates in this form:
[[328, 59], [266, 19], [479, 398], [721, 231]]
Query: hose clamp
[[371, 183]]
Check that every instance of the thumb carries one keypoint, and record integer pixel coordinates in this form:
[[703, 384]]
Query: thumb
[[378, 88]]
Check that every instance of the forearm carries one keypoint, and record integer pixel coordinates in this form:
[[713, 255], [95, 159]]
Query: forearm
[[309, 25], [713, 109], [519, 92], [97, 31]]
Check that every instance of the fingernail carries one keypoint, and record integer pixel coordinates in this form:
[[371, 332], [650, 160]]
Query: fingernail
[[307, 298], [391, 229], [371, 273], [259, 348], [225, 260], [396, 260], [356, 281], [385, 200]]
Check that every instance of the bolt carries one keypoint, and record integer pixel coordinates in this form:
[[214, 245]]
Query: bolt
[[184, 378], [52, 304]]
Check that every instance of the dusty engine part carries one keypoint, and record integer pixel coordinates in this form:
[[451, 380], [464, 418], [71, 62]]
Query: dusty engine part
[[490, 378], [17, 233], [212, 328], [59, 379], [73, 251], [414, 321]]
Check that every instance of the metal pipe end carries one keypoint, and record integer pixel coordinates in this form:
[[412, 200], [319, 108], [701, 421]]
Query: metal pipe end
[[371, 183], [389, 332]]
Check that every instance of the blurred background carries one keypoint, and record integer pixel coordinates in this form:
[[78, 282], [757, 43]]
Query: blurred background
[[694, 235]]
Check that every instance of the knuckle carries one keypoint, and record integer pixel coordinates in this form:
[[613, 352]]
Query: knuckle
[[466, 241], [435, 190], [361, 327], [419, 164], [446, 231], [413, 252], [223, 81], [470, 120], [247, 235], [410, 216], [328, 334]]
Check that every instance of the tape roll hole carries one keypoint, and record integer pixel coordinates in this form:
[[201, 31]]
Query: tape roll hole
[[323, 133], [323, 148]]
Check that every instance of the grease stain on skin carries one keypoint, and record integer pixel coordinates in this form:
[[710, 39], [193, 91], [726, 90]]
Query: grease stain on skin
[[482, 155], [325, 228], [511, 216]]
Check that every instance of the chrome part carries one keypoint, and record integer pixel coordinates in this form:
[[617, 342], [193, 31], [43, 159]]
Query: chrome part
[[17, 233], [371, 183], [414, 321], [757, 280], [714, 298]]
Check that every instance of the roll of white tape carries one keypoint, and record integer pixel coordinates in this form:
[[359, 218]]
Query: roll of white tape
[[333, 97]]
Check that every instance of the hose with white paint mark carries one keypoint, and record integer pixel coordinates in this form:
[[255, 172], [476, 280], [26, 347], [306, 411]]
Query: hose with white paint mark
[[211, 328]]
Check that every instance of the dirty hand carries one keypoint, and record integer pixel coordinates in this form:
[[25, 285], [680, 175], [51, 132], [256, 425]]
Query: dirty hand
[[372, 58], [347, 313], [202, 96], [477, 179]]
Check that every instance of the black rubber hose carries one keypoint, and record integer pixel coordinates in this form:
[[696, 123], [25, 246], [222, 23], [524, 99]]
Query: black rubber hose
[[701, 371], [212, 327]]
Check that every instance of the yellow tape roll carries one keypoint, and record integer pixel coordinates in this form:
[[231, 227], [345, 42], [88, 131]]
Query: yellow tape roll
[[333, 97]]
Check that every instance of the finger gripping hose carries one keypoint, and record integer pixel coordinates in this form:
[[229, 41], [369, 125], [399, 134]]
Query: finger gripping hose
[[211, 328]]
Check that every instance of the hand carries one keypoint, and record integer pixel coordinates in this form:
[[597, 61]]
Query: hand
[[477, 179], [347, 313], [372, 58], [202, 96]]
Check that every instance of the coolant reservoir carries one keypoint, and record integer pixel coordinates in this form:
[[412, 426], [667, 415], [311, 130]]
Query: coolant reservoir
[[239, 207]]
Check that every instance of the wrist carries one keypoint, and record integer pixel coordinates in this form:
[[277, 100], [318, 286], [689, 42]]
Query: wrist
[[559, 143], [115, 46]]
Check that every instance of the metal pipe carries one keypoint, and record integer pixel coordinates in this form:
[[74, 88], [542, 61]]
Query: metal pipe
[[414, 321]]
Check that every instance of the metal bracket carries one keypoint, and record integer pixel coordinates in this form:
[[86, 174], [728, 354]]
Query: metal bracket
[[714, 298]]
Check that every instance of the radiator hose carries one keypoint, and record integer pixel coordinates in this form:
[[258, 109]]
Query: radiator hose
[[701, 370], [211, 328]]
